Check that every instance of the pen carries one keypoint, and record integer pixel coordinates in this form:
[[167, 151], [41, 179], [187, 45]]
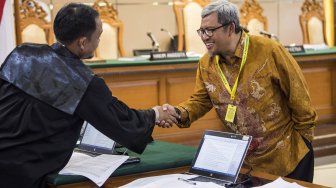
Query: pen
[[187, 181]]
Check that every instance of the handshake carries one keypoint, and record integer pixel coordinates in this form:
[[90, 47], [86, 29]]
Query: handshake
[[166, 116]]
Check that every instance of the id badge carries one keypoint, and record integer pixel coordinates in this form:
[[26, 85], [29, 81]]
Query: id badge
[[230, 113]]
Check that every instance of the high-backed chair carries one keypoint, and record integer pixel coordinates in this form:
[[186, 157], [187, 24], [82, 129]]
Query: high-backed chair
[[251, 17], [32, 23], [188, 18], [111, 40], [312, 22]]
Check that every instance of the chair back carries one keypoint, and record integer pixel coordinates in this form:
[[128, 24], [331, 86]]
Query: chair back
[[188, 19], [312, 22], [111, 39], [32, 23], [251, 17]]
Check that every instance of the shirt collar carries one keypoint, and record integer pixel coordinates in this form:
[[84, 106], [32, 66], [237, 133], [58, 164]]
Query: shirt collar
[[240, 47], [62, 50], [238, 53]]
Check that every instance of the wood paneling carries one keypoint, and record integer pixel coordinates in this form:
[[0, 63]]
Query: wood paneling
[[321, 92], [135, 92], [180, 88], [325, 140], [320, 74]]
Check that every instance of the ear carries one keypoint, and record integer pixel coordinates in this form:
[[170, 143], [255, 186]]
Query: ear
[[232, 28], [82, 42]]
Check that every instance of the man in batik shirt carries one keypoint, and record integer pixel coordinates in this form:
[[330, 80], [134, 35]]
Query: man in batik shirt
[[257, 89]]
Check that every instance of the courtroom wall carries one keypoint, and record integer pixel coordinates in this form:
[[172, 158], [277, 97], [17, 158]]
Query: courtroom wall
[[142, 16]]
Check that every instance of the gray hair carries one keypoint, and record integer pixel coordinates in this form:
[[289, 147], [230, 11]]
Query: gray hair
[[227, 13]]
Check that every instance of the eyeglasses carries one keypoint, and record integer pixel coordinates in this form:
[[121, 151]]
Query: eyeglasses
[[209, 32]]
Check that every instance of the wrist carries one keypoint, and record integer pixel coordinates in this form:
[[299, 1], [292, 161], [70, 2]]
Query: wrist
[[183, 120], [178, 111]]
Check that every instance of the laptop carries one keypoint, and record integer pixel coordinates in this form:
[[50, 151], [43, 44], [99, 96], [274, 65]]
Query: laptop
[[219, 157], [93, 142]]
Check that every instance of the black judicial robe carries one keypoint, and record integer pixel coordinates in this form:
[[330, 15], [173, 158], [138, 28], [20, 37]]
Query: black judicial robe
[[45, 95]]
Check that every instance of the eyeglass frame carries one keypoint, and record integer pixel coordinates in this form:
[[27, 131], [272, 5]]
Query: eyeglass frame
[[202, 31]]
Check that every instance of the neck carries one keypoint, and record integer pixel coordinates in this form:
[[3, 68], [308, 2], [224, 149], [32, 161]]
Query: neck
[[71, 47], [233, 46]]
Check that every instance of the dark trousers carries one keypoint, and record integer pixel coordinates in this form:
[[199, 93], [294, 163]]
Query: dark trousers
[[304, 171]]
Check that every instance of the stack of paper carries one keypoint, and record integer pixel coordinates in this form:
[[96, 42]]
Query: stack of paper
[[98, 169]]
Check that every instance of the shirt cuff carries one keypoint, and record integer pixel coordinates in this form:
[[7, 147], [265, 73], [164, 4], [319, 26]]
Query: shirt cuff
[[157, 114], [183, 121]]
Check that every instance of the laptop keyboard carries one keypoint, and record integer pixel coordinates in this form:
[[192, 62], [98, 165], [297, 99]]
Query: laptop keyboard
[[86, 152], [206, 179]]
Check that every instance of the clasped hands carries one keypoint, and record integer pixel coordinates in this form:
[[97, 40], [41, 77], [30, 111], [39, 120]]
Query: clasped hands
[[167, 116]]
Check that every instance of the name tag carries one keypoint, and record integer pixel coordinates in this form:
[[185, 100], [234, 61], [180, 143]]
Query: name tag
[[230, 113], [168, 55]]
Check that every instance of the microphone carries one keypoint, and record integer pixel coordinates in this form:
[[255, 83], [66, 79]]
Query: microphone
[[173, 45], [155, 44], [269, 35], [170, 35]]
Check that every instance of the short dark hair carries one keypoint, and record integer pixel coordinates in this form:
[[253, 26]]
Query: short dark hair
[[73, 21]]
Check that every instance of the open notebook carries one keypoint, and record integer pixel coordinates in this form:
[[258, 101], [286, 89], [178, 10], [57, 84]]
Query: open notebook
[[219, 157]]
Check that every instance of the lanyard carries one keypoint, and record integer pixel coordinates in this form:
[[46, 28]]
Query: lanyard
[[222, 76]]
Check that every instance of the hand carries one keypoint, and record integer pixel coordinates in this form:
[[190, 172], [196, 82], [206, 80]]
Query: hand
[[171, 109], [167, 116]]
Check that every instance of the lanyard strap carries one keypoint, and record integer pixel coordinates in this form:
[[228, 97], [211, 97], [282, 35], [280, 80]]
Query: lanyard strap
[[222, 76]]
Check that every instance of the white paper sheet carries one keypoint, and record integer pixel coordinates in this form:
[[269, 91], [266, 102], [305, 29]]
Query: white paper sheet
[[281, 183], [98, 169], [169, 181]]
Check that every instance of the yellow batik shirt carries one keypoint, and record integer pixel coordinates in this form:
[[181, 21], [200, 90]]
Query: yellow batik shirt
[[272, 99]]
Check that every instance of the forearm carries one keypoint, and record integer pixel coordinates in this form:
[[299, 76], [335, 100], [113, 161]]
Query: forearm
[[199, 102], [192, 110], [129, 127]]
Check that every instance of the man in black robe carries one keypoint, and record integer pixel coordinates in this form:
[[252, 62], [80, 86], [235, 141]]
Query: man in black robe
[[46, 93]]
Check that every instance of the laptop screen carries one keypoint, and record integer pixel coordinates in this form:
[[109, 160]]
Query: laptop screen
[[95, 141], [220, 155]]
